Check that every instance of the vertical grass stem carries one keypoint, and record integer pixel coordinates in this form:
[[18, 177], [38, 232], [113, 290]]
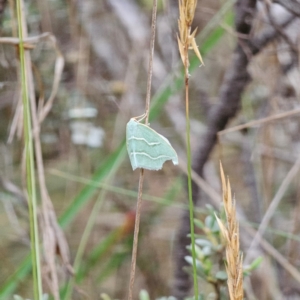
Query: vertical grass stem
[[189, 171], [30, 173]]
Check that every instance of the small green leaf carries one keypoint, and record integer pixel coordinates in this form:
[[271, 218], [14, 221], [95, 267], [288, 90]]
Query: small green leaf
[[199, 224], [199, 253], [209, 221], [203, 243], [212, 224], [199, 266], [207, 265], [215, 227], [207, 251], [256, 263]]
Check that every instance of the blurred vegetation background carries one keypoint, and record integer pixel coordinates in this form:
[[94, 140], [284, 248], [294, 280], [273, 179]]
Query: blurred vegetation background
[[104, 46]]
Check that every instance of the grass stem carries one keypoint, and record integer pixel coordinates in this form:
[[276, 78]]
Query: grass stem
[[83, 242], [186, 41], [29, 157], [189, 173]]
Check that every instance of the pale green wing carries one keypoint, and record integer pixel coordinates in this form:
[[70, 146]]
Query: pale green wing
[[147, 149]]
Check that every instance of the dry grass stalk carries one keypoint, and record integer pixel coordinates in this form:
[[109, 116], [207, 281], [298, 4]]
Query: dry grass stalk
[[141, 178], [234, 265], [186, 39]]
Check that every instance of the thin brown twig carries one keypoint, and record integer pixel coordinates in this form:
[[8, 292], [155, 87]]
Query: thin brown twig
[[59, 65], [150, 66], [261, 121], [141, 178], [30, 41], [136, 234]]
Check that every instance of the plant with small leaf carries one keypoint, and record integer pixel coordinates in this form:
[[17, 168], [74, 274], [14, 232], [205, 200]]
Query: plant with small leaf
[[210, 253]]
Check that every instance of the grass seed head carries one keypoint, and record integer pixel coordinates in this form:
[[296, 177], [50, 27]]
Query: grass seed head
[[186, 39], [230, 232]]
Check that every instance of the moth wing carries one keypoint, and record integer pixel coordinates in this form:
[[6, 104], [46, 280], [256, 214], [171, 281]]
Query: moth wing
[[130, 143], [146, 148]]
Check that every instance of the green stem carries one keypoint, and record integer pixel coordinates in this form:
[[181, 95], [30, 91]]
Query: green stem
[[189, 171], [84, 241], [30, 173]]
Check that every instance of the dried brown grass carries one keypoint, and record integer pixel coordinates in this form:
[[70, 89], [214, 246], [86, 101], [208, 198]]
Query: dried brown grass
[[186, 38], [230, 232]]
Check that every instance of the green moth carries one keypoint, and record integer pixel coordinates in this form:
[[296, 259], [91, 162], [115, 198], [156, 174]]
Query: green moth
[[147, 149]]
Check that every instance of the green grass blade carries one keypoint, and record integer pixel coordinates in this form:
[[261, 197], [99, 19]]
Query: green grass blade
[[112, 162], [114, 263], [29, 157], [97, 253], [20, 274]]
